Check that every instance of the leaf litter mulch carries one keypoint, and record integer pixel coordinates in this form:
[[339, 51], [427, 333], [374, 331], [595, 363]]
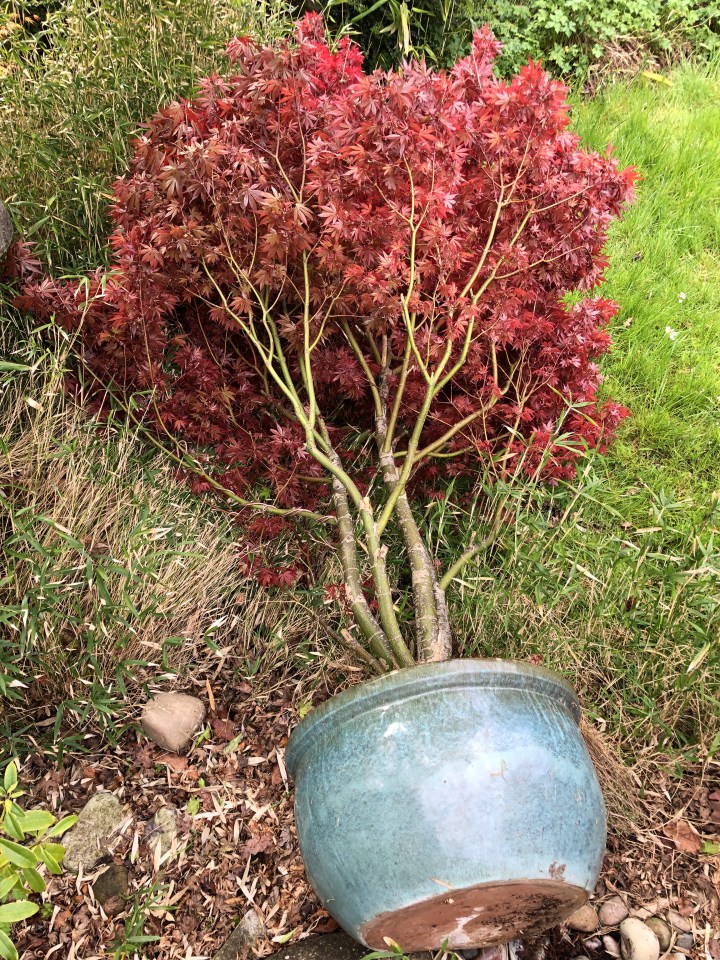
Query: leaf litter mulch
[[236, 846]]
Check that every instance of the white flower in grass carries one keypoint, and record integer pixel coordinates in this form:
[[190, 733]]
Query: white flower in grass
[[681, 297], [673, 334]]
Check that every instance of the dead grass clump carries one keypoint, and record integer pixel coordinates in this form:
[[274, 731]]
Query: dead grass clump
[[113, 571]]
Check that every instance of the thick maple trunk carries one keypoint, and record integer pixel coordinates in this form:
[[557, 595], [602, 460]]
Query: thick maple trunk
[[432, 623]]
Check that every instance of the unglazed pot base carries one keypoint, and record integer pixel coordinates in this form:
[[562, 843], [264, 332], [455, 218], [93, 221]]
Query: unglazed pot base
[[478, 916]]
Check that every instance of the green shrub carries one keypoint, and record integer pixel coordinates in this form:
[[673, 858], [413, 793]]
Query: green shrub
[[569, 36]]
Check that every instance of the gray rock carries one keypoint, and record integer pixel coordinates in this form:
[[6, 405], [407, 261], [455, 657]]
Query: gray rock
[[6, 230], [161, 830], [685, 941], [661, 930], [111, 887], [585, 919], [334, 946], [172, 719], [637, 941], [245, 935], [86, 843], [613, 912]]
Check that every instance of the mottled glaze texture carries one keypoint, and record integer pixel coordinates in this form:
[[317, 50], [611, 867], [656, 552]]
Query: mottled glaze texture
[[453, 800]]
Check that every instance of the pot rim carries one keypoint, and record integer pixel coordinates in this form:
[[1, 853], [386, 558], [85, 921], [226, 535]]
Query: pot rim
[[422, 679]]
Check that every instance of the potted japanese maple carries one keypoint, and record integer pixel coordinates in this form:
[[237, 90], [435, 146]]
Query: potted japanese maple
[[337, 289]]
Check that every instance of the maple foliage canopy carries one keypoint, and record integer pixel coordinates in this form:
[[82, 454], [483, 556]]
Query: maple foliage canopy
[[305, 255]]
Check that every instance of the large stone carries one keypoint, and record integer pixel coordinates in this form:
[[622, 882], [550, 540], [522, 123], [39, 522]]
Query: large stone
[[6, 230], [637, 941], [334, 946], [339, 946], [172, 720], [245, 935], [86, 843], [613, 912], [111, 887]]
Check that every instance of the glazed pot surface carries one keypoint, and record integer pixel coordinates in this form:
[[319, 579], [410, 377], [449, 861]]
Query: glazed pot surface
[[448, 802]]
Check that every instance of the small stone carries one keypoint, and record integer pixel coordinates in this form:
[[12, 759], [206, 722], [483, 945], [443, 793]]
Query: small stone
[[585, 919], [172, 719], [683, 924], [86, 843], [110, 889], [661, 930], [592, 943], [245, 935], [685, 941], [6, 230], [613, 912], [161, 830], [611, 946], [637, 941]]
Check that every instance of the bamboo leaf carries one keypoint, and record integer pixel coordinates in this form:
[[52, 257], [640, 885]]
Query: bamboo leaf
[[17, 910], [34, 820], [20, 856], [7, 948]]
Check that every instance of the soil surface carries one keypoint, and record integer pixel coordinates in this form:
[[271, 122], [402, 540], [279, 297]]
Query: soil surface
[[236, 846]]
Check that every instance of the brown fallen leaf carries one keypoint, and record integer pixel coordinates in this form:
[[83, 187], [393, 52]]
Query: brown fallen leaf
[[685, 908], [714, 948], [683, 835], [223, 729], [258, 844], [172, 760]]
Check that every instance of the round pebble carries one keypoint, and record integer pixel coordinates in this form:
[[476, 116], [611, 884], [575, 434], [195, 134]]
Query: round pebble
[[637, 941], [611, 946], [683, 924], [685, 941], [661, 930], [585, 919], [613, 912]]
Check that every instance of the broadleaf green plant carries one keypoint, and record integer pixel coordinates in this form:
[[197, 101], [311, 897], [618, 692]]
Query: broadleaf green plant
[[26, 844]]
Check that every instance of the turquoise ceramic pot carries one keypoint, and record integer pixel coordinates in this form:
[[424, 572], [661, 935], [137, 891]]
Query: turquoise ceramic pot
[[448, 802]]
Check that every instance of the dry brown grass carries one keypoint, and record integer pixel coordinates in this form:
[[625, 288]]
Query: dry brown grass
[[103, 548]]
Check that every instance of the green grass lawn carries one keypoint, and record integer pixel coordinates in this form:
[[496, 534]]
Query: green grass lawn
[[665, 273], [616, 578]]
